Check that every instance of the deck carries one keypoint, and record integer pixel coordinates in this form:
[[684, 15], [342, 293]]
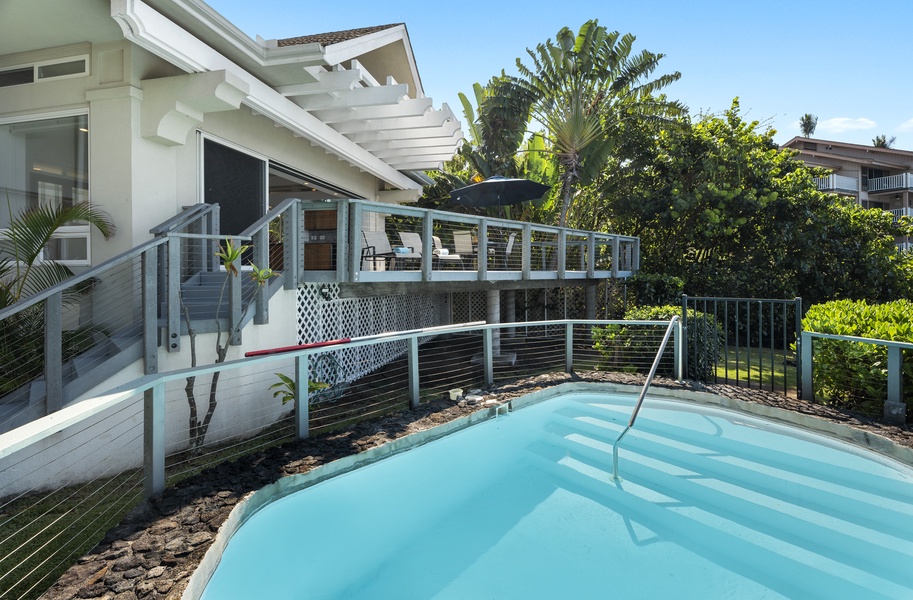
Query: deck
[[369, 246]]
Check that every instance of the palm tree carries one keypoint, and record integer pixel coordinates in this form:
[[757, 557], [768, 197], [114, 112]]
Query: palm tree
[[577, 87], [807, 124], [881, 141], [24, 272]]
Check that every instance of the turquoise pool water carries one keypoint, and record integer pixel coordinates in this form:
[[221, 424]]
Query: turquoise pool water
[[713, 504]]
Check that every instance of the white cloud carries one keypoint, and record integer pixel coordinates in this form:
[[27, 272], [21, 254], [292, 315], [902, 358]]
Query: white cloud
[[906, 125], [843, 124]]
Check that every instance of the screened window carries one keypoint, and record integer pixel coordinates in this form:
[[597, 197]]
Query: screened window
[[45, 163]]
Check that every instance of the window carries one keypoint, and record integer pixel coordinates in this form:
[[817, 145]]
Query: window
[[45, 163], [43, 71]]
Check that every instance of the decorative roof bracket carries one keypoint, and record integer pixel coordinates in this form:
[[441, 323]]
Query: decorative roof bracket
[[174, 106]]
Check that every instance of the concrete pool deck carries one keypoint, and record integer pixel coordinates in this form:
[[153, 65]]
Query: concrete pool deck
[[156, 549]]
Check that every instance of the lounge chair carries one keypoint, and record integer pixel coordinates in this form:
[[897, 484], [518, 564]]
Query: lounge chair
[[376, 247], [443, 254], [413, 241]]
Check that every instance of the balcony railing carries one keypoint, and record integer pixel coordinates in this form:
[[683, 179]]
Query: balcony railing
[[901, 212], [837, 183], [356, 241], [903, 181]]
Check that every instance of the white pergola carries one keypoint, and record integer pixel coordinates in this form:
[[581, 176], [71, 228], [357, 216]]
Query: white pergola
[[328, 91]]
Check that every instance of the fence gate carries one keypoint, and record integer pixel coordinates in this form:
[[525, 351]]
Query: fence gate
[[754, 342]]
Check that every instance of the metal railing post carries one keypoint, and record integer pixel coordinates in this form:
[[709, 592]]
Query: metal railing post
[[173, 295], [154, 440], [302, 401], [488, 356], [482, 250], [806, 367], [150, 276], [414, 392], [291, 246], [799, 346], [234, 309], [261, 260], [342, 240], [526, 255], [616, 255], [53, 352], [895, 410], [356, 237], [591, 255], [427, 246], [569, 348], [562, 254], [685, 334], [678, 351]]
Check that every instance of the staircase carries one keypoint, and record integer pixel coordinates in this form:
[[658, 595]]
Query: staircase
[[790, 517], [115, 351]]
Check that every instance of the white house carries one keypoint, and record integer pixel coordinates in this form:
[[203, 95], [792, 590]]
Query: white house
[[144, 107], [154, 110]]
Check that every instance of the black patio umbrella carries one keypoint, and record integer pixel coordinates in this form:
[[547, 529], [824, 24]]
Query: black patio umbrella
[[498, 191]]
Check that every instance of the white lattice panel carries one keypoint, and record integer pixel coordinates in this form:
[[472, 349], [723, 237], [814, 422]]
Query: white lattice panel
[[322, 316]]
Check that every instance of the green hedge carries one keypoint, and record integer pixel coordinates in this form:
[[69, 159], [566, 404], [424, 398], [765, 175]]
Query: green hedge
[[633, 347], [853, 374]]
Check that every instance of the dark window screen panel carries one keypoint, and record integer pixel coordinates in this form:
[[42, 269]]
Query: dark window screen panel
[[234, 181]]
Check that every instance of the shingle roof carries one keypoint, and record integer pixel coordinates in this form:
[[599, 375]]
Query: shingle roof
[[334, 37]]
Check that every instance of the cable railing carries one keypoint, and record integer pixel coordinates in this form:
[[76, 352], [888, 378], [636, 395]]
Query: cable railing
[[68, 478], [868, 375], [118, 315], [673, 323]]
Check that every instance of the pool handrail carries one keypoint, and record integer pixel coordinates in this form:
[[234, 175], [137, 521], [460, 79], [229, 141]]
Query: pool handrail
[[643, 394]]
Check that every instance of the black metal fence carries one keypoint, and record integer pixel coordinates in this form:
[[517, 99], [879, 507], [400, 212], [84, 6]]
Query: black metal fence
[[758, 343]]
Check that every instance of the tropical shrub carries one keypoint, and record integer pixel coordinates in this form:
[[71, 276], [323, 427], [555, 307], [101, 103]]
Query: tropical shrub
[[655, 289], [854, 374], [24, 272], [633, 347]]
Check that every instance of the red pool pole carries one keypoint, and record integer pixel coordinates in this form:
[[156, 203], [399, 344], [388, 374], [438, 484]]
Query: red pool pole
[[298, 347]]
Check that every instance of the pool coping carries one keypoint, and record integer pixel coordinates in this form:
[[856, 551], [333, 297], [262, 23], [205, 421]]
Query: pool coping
[[290, 484]]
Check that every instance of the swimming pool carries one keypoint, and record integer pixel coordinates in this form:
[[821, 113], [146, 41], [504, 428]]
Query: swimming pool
[[712, 504]]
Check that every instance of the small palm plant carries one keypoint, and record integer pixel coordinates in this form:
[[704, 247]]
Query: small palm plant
[[24, 271], [286, 389]]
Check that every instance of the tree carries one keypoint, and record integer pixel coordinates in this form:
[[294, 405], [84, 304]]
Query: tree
[[718, 204], [229, 255], [881, 141], [578, 88], [807, 124], [495, 146]]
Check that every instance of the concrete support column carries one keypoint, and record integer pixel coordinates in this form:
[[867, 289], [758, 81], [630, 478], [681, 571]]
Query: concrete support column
[[493, 298], [510, 298], [590, 302]]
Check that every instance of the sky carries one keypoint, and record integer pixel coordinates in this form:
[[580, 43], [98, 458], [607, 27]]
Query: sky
[[835, 59]]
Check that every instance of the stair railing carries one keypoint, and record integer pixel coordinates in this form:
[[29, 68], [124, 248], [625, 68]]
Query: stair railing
[[674, 324]]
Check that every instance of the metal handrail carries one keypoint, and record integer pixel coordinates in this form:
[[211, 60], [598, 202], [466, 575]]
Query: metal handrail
[[643, 394]]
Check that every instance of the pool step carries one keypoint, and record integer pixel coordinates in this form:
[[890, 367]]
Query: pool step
[[803, 517], [736, 546], [714, 534], [780, 481]]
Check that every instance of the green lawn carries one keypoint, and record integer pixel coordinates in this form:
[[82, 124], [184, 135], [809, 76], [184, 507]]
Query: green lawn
[[781, 368]]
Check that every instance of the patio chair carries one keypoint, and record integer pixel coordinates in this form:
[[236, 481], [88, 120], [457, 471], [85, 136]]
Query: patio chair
[[443, 255], [376, 247], [462, 243]]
